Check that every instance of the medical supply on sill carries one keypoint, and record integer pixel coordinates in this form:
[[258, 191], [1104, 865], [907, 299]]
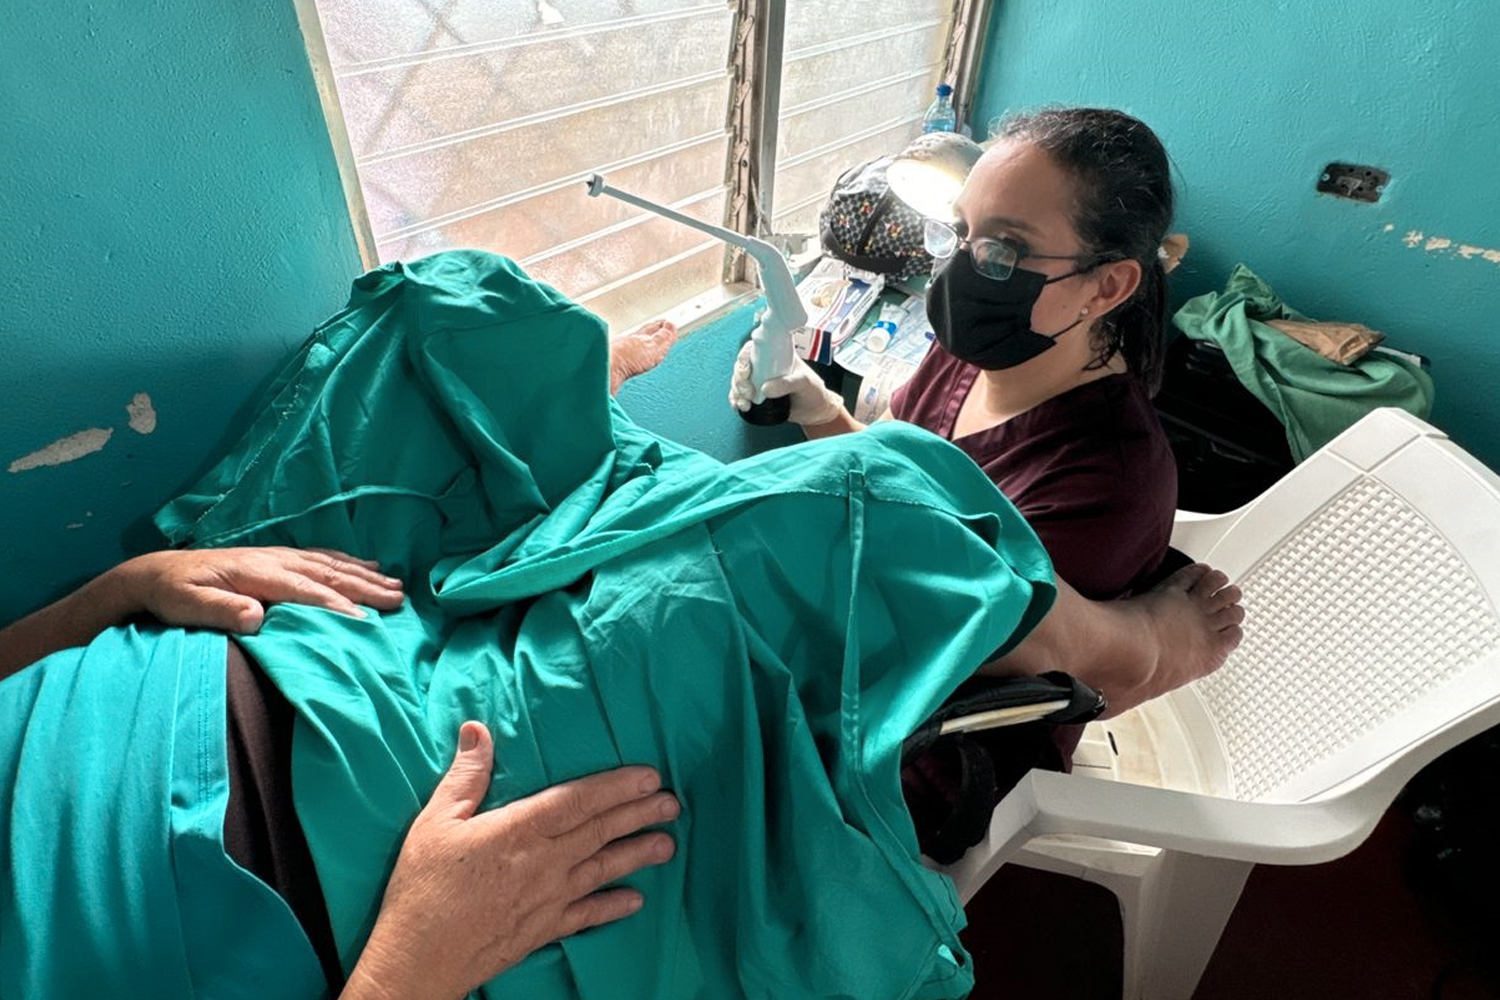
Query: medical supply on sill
[[772, 356], [876, 389], [910, 337], [880, 336], [836, 298], [940, 116]]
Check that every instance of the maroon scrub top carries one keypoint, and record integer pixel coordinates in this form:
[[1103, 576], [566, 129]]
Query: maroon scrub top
[[1093, 474], [1091, 470]]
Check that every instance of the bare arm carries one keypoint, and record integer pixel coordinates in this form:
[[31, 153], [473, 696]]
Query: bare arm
[[844, 423], [224, 589], [73, 621]]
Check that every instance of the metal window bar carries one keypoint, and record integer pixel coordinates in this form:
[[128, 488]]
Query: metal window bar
[[338, 132], [755, 105], [964, 60]]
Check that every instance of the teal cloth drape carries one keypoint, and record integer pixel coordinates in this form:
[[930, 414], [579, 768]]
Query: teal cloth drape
[[1315, 398], [113, 876], [764, 632]]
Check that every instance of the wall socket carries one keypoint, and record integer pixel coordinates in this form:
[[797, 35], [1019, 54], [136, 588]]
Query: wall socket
[[1348, 180]]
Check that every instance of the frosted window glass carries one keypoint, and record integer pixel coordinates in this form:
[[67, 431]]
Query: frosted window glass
[[474, 124], [856, 78]]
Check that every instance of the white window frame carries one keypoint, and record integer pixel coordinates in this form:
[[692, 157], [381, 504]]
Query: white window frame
[[757, 49]]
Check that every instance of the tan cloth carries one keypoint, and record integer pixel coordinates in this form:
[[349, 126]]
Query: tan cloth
[[1345, 343]]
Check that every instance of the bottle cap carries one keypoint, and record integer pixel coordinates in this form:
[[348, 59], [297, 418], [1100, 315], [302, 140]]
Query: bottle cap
[[944, 90]]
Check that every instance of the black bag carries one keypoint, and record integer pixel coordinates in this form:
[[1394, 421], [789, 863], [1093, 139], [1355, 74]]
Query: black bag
[[866, 226], [988, 762]]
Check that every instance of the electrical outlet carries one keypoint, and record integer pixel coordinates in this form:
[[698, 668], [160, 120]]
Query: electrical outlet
[[1360, 183]]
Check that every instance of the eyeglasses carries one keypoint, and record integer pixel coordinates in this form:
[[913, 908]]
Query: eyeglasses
[[995, 259]]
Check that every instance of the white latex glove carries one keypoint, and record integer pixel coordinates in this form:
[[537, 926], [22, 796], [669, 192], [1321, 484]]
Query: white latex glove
[[813, 403]]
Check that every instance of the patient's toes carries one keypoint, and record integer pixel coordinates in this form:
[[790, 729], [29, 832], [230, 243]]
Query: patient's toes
[[1225, 617], [1184, 579], [1230, 595], [1210, 583]]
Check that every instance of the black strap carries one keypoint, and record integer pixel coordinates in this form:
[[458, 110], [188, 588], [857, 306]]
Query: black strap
[[967, 824], [1014, 750], [986, 694]]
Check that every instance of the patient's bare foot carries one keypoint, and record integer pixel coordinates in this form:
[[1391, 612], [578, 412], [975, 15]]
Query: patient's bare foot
[[639, 351], [1136, 649], [1196, 615]]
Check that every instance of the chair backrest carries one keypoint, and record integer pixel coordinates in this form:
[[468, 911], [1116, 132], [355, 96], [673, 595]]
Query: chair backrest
[[1371, 575]]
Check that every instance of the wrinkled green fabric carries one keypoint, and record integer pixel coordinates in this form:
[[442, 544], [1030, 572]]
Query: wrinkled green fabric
[[114, 880], [765, 633], [1316, 398]]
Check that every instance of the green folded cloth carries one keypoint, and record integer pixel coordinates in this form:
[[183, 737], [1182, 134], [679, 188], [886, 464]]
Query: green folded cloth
[[1316, 399]]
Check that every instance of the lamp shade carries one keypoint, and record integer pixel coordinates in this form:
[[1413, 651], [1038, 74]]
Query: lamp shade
[[930, 172]]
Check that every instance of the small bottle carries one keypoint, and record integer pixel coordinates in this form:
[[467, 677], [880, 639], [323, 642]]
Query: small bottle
[[940, 116]]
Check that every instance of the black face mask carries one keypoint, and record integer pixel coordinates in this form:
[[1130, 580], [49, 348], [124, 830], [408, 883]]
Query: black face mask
[[986, 322]]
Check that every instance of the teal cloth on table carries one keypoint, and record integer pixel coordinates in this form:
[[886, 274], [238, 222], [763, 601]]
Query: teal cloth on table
[[765, 633], [113, 876], [1315, 398]]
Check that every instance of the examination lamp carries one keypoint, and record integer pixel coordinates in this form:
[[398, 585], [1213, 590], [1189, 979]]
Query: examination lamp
[[929, 173], [772, 354]]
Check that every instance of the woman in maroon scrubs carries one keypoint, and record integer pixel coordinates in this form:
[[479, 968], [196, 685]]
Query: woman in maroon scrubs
[[1048, 303]]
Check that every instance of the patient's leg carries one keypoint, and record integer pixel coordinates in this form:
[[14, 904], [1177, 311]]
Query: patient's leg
[[639, 351], [1135, 649]]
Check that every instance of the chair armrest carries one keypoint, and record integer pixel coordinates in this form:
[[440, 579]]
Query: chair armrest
[[1195, 534], [1045, 802], [1287, 833]]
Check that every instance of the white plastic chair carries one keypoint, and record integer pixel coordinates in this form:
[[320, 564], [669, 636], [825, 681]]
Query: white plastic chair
[[1372, 645]]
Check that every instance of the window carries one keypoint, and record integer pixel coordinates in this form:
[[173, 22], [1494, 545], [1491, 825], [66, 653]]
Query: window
[[856, 77], [468, 123]]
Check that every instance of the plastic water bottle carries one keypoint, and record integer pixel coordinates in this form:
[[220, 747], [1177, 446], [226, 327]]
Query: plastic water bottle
[[940, 116]]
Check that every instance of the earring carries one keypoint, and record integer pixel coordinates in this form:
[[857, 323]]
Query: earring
[[1084, 311]]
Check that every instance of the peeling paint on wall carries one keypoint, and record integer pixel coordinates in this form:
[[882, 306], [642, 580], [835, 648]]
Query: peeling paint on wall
[[142, 414], [1415, 238], [68, 449]]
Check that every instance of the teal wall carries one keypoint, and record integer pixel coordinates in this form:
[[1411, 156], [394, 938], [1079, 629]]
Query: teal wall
[[173, 225], [1252, 99]]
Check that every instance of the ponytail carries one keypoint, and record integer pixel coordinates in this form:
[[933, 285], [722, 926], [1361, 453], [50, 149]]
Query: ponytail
[[1137, 330]]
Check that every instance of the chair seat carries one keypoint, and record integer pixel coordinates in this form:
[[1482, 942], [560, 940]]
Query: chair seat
[[1371, 575], [1148, 745]]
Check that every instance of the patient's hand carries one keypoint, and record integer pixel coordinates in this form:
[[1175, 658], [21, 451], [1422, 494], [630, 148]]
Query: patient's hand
[[472, 895], [228, 589], [224, 589]]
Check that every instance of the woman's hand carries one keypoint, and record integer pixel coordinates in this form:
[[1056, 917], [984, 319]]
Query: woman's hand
[[472, 895], [813, 403], [228, 589]]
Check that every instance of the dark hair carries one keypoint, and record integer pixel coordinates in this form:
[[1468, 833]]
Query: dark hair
[[1124, 206]]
